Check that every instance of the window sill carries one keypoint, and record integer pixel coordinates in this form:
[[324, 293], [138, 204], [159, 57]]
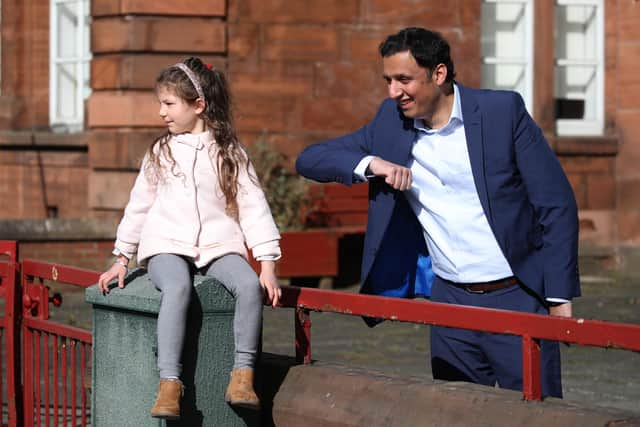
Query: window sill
[[42, 139], [605, 145]]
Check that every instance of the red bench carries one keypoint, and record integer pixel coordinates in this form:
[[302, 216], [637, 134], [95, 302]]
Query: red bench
[[336, 221], [335, 205]]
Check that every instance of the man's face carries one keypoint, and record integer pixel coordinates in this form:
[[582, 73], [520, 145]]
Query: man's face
[[412, 86]]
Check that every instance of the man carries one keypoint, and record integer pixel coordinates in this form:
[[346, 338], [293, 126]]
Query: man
[[468, 172]]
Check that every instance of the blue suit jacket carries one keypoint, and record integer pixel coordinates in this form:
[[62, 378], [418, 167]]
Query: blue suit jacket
[[523, 190]]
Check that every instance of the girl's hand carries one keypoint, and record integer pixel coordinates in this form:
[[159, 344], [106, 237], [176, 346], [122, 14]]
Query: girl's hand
[[117, 270], [269, 282]]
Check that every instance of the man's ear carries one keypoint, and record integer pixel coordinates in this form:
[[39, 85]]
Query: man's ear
[[200, 105], [439, 74]]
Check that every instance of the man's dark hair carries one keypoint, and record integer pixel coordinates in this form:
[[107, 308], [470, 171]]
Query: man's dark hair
[[428, 48]]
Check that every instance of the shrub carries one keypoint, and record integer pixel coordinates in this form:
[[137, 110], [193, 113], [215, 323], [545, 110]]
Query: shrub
[[286, 192]]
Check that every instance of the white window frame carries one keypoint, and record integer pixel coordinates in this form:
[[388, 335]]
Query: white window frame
[[527, 60], [81, 62], [586, 127]]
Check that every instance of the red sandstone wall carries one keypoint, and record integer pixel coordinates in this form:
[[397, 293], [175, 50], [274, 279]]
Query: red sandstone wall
[[131, 41], [300, 71], [33, 175], [31, 180], [305, 71], [623, 22], [93, 255], [25, 65]]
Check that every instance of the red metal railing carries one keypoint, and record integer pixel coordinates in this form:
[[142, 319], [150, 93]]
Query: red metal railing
[[9, 341], [55, 356], [50, 350], [530, 327]]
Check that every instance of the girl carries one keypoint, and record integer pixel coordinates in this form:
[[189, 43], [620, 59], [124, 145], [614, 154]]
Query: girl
[[195, 204]]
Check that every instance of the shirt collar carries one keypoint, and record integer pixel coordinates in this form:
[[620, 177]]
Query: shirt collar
[[197, 141], [454, 120]]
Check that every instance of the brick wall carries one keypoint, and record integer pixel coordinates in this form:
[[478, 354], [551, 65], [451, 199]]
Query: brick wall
[[590, 165], [93, 255], [41, 174], [305, 71], [0, 48], [131, 41], [25, 64], [38, 184], [300, 72], [624, 26]]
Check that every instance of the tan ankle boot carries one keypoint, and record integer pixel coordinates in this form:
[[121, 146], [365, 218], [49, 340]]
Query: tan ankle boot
[[167, 404], [240, 390]]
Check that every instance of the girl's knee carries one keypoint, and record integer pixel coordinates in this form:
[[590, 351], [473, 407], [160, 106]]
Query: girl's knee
[[251, 291], [178, 291]]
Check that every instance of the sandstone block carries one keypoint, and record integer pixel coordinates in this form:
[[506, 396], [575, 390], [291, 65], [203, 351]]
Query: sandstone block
[[122, 109], [300, 42], [158, 34], [158, 7], [110, 190]]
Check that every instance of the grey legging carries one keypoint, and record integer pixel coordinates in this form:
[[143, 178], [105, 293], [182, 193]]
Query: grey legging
[[173, 275]]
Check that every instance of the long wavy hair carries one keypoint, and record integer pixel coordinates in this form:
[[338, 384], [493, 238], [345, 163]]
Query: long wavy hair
[[217, 116]]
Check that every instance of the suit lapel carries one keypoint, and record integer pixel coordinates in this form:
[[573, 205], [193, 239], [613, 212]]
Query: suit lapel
[[475, 144], [399, 150]]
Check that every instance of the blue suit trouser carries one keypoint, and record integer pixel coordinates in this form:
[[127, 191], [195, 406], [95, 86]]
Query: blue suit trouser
[[485, 358]]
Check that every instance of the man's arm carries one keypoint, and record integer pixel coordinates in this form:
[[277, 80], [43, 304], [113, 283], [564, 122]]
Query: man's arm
[[350, 159], [552, 198], [335, 160]]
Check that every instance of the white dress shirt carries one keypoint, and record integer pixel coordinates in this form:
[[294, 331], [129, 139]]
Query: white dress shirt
[[444, 198]]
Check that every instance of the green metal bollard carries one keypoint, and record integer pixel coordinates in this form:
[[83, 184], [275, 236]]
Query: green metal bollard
[[124, 372]]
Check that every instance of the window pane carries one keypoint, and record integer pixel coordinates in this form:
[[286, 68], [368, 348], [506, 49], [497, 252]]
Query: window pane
[[506, 46], [503, 30], [67, 30], [66, 109], [70, 63], [578, 83], [504, 77], [576, 32], [579, 67]]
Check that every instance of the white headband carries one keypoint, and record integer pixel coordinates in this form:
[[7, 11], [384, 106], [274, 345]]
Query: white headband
[[193, 78]]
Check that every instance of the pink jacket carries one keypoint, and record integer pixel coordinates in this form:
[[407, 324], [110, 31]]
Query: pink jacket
[[185, 214]]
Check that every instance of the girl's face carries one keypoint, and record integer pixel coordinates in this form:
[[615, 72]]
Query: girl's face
[[178, 115]]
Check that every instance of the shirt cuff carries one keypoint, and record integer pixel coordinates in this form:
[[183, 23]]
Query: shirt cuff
[[360, 171], [267, 251], [558, 300], [126, 249], [267, 258]]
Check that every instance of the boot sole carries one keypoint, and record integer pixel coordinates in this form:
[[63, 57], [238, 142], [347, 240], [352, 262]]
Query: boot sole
[[245, 405], [168, 417]]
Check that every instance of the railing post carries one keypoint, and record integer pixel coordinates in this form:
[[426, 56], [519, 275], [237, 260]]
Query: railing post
[[13, 354], [303, 335], [35, 305], [531, 373]]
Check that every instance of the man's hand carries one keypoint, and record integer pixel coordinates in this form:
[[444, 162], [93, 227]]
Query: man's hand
[[398, 177], [562, 310]]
